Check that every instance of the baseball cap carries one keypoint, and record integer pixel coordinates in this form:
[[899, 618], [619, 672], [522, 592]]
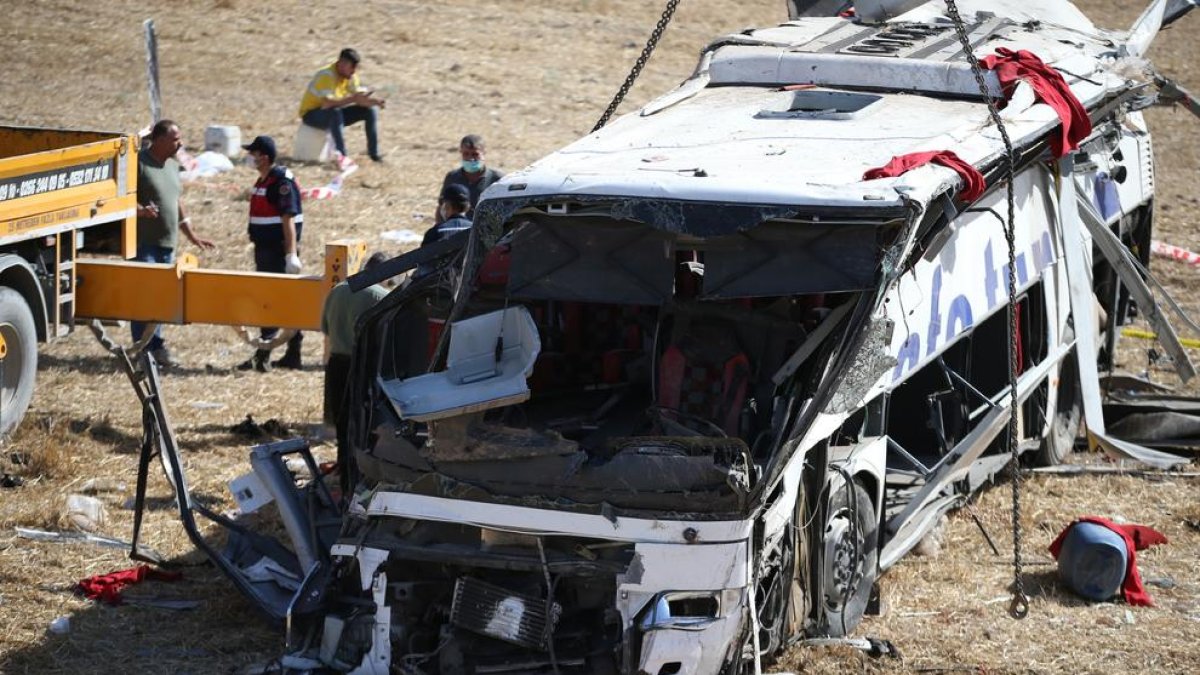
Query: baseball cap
[[456, 194], [263, 144], [349, 54]]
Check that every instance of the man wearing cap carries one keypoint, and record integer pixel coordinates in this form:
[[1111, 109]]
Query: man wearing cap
[[276, 221], [472, 173], [160, 216], [453, 204], [336, 99]]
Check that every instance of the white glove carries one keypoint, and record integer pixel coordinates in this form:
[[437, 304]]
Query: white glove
[[292, 265]]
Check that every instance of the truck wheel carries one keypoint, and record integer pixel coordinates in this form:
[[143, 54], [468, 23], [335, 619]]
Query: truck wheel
[[850, 562], [18, 367], [1059, 442]]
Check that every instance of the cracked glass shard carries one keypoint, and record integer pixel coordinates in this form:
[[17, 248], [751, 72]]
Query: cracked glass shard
[[870, 363]]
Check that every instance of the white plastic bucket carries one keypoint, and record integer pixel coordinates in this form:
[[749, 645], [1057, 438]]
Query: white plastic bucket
[[312, 145], [224, 139]]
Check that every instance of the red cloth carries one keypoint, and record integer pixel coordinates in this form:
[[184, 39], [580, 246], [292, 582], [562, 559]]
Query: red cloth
[[1050, 87], [108, 587], [1137, 538], [973, 183]]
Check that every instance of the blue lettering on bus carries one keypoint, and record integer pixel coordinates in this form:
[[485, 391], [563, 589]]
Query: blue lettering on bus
[[959, 316]]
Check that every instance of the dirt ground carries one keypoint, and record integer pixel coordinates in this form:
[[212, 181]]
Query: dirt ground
[[530, 77]]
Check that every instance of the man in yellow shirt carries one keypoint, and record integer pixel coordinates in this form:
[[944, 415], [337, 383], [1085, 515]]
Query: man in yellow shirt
[[336, 99]]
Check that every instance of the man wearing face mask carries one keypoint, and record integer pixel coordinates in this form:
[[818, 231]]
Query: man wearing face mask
[[473, 174], [276, 222]]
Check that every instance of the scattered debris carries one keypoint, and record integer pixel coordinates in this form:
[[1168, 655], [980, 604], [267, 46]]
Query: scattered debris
[[875, 647], [86, 513], [81, 537], [251, 429], [61, 625], [206, 165], [97, 485], [250, 493], [1093, 469], [108, 587], [247, 427], [207, 405], [1097, 558], [401, 236], [931, 544], [274, 427]]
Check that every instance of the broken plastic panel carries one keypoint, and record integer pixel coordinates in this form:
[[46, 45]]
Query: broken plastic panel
[[490, 357], [260, 567]]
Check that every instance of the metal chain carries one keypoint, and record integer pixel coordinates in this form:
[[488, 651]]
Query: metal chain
[[1019, 607], [655, 35]]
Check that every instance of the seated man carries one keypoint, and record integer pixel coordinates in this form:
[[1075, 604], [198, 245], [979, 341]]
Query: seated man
[[472, 174], [335, 99]]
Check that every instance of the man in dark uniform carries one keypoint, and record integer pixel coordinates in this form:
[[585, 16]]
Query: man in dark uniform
[[472, 174], [452, 208], [276, 221]]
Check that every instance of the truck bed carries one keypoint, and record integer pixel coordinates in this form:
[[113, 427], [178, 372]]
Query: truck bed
[[55, 180]]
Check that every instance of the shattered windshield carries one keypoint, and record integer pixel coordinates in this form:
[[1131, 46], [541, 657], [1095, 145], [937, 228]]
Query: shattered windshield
[[600, 363]]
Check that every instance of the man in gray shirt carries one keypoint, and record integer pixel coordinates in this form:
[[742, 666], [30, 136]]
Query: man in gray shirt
[[160, 216], [473, 174]]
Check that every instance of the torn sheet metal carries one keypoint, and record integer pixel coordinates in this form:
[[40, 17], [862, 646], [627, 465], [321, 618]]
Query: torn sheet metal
[[1161, 429], [1084, 308], [1119, 450], [1121, 259]]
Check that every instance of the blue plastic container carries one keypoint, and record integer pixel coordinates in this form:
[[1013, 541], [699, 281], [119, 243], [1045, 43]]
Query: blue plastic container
[[1092, 561]]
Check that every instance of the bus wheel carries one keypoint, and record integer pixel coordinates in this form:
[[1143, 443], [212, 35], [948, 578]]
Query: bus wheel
[[18, 358], [1065, 419], [851, 561]]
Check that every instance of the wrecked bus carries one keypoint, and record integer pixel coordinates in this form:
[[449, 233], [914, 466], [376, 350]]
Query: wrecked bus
[[691, 383]]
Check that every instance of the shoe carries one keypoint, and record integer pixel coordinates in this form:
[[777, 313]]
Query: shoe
[[260, 362], [163, 358], [290, 361], [378, 159]]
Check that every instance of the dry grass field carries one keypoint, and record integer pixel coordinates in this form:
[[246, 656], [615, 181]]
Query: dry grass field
[[529, 76]]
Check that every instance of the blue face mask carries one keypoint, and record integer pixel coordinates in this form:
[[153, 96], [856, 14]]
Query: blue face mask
[[472, 165]]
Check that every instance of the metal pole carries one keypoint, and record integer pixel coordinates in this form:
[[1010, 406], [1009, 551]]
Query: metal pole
[[152, 71]]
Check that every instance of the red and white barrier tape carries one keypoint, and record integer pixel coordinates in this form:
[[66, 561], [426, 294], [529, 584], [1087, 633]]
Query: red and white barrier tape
[[1165, 250], [346, 166]]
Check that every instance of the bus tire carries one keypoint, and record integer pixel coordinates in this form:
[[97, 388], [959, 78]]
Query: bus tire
[[18, 367], [851, 563], [1066, 417]]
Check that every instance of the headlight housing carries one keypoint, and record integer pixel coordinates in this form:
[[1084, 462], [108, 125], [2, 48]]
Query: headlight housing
[[687, 610]]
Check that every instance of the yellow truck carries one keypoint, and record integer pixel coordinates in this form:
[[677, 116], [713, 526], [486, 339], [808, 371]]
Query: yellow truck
[[60, 192], [65, 192]]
